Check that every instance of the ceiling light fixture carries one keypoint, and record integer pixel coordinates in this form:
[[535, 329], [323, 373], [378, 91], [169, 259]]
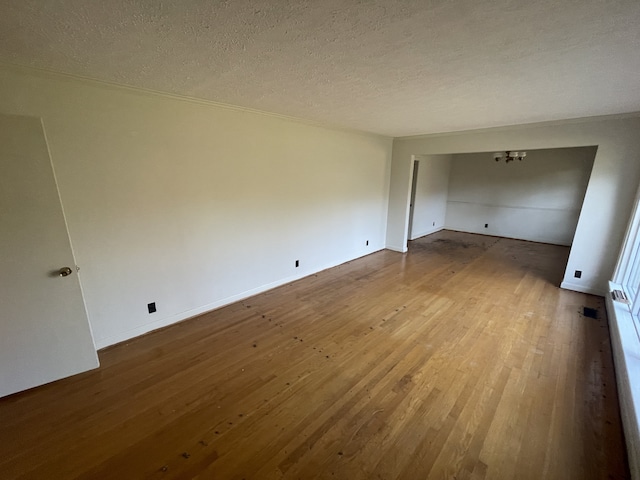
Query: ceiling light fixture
[[509, 156]]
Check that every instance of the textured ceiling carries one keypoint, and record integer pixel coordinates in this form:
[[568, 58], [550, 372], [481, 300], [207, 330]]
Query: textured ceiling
[[386, 66]]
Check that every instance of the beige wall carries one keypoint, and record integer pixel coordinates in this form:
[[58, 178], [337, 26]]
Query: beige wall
[[430, 197], [192, 205]]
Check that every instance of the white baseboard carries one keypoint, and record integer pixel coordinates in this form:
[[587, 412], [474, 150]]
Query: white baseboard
[[425, 233], [397, 249], [179, 317], [590, 289], [494, 233], [625, 343]]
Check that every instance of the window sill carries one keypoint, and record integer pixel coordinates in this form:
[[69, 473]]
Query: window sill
[[625, 340]]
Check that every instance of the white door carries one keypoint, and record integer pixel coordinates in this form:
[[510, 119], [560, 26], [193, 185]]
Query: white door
[[44, 330]]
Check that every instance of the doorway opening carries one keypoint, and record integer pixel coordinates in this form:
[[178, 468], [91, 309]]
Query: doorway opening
[[538, 198]]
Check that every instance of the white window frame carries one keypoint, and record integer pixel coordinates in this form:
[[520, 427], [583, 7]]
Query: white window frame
[[627, 272]]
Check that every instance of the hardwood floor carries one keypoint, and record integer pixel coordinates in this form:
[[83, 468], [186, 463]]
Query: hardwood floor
[[461, 359]]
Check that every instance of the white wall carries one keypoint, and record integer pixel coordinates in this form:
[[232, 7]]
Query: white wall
[[537, 199], [608, 200], [430, 200], [193, 205]]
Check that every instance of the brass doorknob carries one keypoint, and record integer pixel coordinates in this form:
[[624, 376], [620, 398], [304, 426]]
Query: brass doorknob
[[65, 271]]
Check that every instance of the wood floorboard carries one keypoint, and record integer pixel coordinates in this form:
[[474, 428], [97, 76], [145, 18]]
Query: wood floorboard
[[460, 359]]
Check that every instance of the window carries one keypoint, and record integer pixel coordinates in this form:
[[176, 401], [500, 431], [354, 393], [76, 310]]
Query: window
[[627, 272]]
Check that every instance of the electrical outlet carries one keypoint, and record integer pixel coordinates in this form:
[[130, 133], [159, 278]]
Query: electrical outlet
[[486, 225], [578, 274], [367, 242], [434, 224], [297, 263], [151, 307]]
